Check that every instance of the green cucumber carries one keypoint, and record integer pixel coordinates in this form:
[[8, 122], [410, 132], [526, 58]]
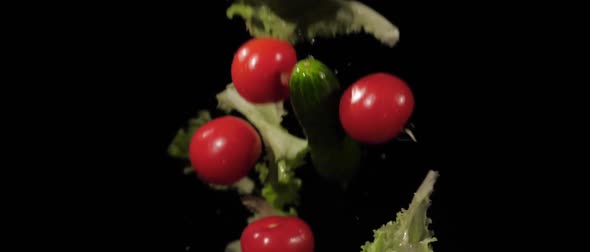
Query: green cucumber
[[315, 94]]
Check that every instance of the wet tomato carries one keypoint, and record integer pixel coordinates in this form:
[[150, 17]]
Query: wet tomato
[[261, 69], [224, 150], [277, 233], [376, 108]]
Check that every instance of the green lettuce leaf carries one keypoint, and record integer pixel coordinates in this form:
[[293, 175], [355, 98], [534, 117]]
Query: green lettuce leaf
[[267, 119], [282, 190], [233, 246], [409, 233], [299, 20], [179, 146], [285, 151], [244, 186]]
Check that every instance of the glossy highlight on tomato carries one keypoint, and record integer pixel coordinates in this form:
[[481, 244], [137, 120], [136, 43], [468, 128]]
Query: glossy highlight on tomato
[[277, 233], [224, 150], [261, 69], [376, 108]]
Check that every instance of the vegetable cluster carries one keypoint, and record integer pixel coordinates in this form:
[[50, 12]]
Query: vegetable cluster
[[266, 73]]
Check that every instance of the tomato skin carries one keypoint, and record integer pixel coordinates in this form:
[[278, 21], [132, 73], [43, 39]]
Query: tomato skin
[[277, 233], [376, 108], [224, 150], [261, 69]]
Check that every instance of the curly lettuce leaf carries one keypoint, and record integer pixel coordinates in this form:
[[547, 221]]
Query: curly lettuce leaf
[[409, 233], [263, 22], [267, 119], [285, 189], [233, 246], [282, 187], [179, 146], [285, 151], [300, 20], [244, 186]]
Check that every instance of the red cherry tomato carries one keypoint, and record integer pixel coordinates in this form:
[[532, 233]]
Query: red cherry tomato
[[376, 108], [261, 69], [277, 233], [224, 150]]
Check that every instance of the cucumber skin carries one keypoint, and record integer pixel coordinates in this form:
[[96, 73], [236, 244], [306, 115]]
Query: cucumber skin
[[315, 95]]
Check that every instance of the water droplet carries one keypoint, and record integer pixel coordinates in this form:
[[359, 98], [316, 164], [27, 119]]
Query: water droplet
[[312, 41]]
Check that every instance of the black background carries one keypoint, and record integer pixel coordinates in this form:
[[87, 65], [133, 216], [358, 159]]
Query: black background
[[341, 221], [191, 59], [161, 63], [109, 84]]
